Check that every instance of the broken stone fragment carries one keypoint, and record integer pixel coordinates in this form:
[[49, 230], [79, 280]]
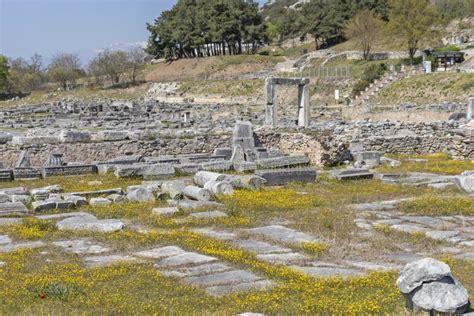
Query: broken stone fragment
[[138, 193], [99, 201], [429, 285]]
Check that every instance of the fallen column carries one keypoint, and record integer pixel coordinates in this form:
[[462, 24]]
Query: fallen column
[[202, 177], [196, 193], [219, 187]]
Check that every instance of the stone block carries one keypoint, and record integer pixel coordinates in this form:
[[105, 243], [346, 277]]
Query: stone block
[[41, 206], [53, 171], [275, 177], [351, 174], [13, 208], [74, 137], [26, 173], [226, 152], [139, 193], [99, 201], [280, 162], [245, 166], [216, 166], [368, 159], [6, 175]]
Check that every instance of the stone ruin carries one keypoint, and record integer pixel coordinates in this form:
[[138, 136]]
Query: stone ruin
[[271, 108]]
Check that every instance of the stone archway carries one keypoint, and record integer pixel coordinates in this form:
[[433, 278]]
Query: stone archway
[[271, 117]]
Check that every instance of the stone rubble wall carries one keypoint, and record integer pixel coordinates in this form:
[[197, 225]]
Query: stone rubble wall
[[321, 144]]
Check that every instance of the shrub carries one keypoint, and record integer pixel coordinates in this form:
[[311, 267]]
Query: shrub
[[371, 73]]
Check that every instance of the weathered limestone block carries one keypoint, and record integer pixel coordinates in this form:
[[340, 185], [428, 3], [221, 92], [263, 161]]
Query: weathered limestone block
[[465, 181], [6, 174], [368, 159], [74, 137], [53, 171], [223, 151], [13, 208], [111, 136], [159, 171], [150, 172], [429, 285], [41, 206], [56, 188], [26, 173], [97, 192], [351, 174], [90, 223], [126, 160], [76, 200], [216, 166], [165, 210], [243, 135], [34, 140], [286, 161], [99, 201], [245, 166], [138, 193], [275, 177]]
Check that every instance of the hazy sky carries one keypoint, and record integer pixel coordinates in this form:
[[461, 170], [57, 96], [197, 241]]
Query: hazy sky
[[83, 27]]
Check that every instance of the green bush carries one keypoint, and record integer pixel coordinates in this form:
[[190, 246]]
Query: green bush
[[371, 73], [449, 48]]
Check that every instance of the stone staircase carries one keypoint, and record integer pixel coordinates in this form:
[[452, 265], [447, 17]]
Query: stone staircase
[[378, 85]]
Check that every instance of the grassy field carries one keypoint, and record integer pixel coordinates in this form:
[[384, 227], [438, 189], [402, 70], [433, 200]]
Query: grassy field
[[429, 89], [434, 163], [51, 281]]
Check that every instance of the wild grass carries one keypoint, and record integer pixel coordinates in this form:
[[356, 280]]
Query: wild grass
[[89, 182], [435, 205], [435, 163], [233, 88], [58, 283]]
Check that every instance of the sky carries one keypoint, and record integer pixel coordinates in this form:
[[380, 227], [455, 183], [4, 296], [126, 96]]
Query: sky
[[83, 27]]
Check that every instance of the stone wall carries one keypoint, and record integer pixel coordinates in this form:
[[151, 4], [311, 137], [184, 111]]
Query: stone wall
[[321, 144], [102, 151]]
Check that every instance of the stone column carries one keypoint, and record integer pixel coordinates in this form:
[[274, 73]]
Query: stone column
[[303, 105], [270, 107], [470, 109]]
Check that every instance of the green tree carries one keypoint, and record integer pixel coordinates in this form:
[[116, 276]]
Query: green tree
[[65, 69], [197, 28], [412, 21], [3, 72]]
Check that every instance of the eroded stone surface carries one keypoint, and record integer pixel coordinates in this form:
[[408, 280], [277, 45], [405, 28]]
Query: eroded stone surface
[[81, 246], [90, 223]]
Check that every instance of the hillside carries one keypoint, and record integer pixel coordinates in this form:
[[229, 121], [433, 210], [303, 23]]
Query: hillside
[[429, 89]]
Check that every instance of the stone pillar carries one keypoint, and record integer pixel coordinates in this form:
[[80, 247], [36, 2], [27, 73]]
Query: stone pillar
[[470, 109], [270, 107], [303, 105]]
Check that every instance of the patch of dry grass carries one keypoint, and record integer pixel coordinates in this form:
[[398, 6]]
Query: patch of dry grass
[[435, 163], [435, 205]]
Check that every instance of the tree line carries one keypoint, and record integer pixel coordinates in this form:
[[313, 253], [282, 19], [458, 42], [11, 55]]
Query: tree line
[[198, 28], [20, 75]]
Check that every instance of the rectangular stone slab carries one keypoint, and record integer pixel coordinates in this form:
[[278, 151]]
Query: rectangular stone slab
[[223, 278], [285, 161], [277, 177], [281, 233], [13, 208]]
